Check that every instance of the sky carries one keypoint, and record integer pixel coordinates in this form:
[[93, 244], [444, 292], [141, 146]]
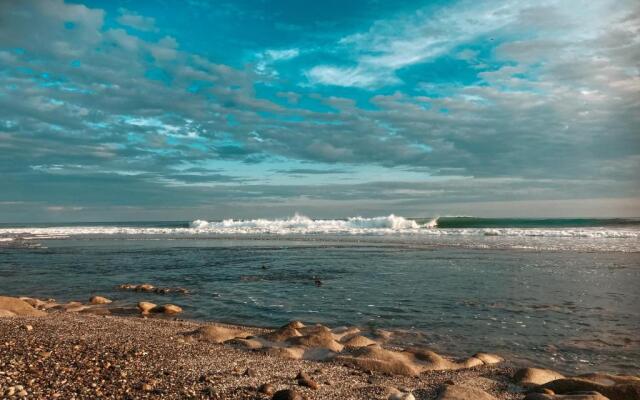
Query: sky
[[165, 110]]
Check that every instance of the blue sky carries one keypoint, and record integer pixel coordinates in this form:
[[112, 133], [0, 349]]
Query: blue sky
[[207, 109]]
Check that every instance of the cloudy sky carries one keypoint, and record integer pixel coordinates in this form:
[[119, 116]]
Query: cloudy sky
[[170, 110]]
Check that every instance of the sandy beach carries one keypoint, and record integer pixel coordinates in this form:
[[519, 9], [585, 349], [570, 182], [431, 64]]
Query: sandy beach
[[86, 351]]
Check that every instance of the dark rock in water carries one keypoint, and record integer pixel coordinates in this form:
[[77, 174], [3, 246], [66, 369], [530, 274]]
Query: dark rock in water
[[168, 309], [287, 394], [317, 281], [99, 300], [148, 288], [215, 295], [266, 388]]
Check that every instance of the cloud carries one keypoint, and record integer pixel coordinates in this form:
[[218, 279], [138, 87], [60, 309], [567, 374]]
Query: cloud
[[99, 116], [267, 59], [133, 20]]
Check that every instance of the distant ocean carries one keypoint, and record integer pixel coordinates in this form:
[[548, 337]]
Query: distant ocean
[[562, 293]]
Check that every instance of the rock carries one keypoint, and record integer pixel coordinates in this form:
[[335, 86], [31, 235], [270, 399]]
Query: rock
[[282, 334], [319, 338], [401, 396], [99, 300], [145, 287], [302, 375], [294, 325], [630, 390], [310, 383], [218, 334], [7, 313], [575, 396], [488, 359], [127, 286], [287, 394], [249, 372], [305, 380], [462, 392], [359, 341], [146, 307], [528, 377], [169, 309], [28, 328], [266, 388], [375, 358], [73, 306], [18, 307]]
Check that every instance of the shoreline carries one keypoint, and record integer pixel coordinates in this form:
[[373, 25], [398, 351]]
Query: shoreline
[[80, 351]]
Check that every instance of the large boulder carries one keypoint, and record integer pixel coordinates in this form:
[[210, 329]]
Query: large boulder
[[629, 390], [463, 392], [218, 334], [528, 377], [17, 307]]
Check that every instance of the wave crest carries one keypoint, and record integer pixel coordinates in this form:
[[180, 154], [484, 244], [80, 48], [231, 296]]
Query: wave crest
[[302, 224]]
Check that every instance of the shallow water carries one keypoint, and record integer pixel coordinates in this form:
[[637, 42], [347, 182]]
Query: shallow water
[[571, 310]]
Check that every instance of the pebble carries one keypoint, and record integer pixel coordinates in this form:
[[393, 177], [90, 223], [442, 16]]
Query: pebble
[[287, 394], [29, 328], [266, 388]]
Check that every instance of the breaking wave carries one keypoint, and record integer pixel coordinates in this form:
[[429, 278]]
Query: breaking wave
[[302, 224]]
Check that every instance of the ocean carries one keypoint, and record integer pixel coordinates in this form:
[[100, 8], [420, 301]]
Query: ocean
[[559, 293]]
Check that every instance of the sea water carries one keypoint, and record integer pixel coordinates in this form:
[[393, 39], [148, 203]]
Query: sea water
[[557, 293]]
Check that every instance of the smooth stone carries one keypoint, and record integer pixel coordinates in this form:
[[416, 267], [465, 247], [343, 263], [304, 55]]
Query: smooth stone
[[287, 394], [488, 358], [170, 309], [295, 325], [7, 313], [401, 396], [317, 339], [18, 307], [266, 388], [310, 383], [535, 376], [99, 300], [462, 392], [282, 334], [617, 391], [146, 307], [575, 396], [249, 372], [218, 334], [359, 341], [145, 287]]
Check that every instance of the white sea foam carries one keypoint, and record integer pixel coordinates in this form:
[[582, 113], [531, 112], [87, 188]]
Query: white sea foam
[[301, 225], [305, 225]]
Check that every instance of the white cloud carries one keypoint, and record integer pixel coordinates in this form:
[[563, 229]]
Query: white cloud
[[133, 20]]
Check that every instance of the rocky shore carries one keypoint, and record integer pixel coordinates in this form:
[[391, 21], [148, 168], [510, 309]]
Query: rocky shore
[[99, 349]]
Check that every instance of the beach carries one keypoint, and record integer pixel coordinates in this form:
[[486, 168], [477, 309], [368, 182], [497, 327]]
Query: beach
[[377, 309], [85, 352]]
